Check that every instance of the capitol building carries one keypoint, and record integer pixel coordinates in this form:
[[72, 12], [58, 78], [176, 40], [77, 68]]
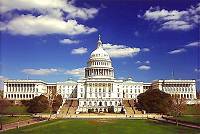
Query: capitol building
[[99, 89]]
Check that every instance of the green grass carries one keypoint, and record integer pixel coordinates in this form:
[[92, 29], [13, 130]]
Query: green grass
[[103, 127], [16, 110], [192, 110], [10, 119], [192, 118]]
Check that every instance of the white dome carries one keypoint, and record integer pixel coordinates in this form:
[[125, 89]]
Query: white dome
[[99, 53]]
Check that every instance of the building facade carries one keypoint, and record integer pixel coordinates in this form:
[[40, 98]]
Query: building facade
[[23, 89], [99, 90], [180, 88]]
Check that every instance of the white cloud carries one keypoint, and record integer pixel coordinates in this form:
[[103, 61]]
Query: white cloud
[[176, 51], [193, 44], [40, 71], [68, 41], [138, 62], [54, 7], [173, 19], [145, 49], [117, 51], [2, 79], [197, 70], [157, 14], [144, 67], [42, 25], [147, 62], [177, 25], [136, 33], [79, 72], [80, 50]]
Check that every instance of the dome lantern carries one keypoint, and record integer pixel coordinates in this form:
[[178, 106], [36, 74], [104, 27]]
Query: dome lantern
[[99, 43]]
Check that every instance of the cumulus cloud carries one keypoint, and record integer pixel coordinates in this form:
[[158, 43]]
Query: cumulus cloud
[[80, 50], [193, 44], [117, 51], [78, 72], [42, 25], [40, 71], [176, 51], [173, 19], [145, 49], [144, 67], [68, 41], [52, 7]]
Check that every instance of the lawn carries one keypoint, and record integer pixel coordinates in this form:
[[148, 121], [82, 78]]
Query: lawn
[[10, 119], [100, 126], [190, 118]]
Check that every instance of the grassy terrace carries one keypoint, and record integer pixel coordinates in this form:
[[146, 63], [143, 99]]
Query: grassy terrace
[[11, 119], [103, 127]]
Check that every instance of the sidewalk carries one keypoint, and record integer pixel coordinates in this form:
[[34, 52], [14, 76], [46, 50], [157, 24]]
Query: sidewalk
[[20, 124]]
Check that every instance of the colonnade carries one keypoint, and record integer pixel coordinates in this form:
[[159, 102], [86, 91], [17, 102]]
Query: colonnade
[[99, 72]]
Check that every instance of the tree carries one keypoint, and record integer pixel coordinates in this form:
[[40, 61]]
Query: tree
[[111, 109], [57, 102], [1, 94], [198, 94], [154, 101], [4, 104], [38, 104], [177, 107]]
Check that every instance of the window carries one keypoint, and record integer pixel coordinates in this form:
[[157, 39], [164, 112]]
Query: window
[[105, 103]]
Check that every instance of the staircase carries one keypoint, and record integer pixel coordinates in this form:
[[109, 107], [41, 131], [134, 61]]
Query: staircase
[[130, 107], [68, 108], [73, 107]]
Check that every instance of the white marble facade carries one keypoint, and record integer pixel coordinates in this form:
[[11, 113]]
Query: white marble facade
[[23, 89]]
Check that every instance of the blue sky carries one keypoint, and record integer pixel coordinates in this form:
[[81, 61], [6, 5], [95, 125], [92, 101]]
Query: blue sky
[[52, 40]]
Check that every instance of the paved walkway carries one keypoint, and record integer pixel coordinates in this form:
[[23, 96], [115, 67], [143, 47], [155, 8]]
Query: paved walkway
[[100, 115], [20, 124]]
